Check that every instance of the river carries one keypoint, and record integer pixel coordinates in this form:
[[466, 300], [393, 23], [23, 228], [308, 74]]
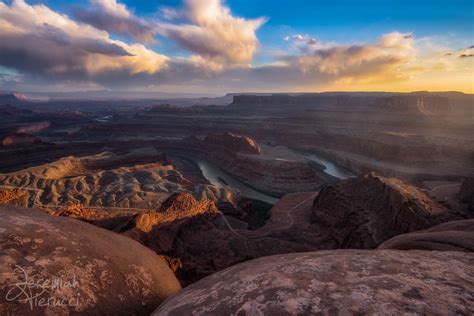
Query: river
[[222, 179], [331, 168]]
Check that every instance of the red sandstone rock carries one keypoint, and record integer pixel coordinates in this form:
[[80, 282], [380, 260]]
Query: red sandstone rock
[[20, 140], [233, 143], [450, 236], [107, 274], [340, 282], [366, 211], [185, 203], [33, 128], [158, 230], [8, 196]]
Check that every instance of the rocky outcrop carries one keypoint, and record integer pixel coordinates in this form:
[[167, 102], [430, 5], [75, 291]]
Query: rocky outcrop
[[184, 230], [184, 203], [366, 211], [81, 212], [74, 267], [158, 229], [232, 142], [33, 128], [20, 140], [10, 195], [450, 236], [341, 282], [137, 179]]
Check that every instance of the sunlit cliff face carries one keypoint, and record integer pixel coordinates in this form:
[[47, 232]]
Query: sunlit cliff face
[[202, 44]]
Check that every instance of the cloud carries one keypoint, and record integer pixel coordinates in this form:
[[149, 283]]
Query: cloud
[[352, 62], [114, 17], [112, 7], [40, 42], [212, 32], [466, 52], [307, 40], [43, 48]]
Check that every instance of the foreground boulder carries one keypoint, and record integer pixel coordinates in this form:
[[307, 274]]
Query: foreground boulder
[[340, 282], [366, 211], [56, 265], [450, 236]]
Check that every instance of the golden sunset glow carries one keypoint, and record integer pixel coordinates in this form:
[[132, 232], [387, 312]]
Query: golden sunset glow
[[202, 44]]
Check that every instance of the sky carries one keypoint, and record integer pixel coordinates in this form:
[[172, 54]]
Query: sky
[[217, 46]]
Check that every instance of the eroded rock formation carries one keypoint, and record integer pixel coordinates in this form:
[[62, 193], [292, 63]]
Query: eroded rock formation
[[366, 211], [10, 195], [79, 211], [141, 178], [158, 229]]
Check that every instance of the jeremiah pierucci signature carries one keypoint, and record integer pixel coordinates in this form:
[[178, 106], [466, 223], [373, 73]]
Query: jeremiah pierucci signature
[[40, 291]]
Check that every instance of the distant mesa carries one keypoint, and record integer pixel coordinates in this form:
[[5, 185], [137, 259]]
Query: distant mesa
[[419, 103], [101, 273], [364, 212], [260, 100], [339, 282]]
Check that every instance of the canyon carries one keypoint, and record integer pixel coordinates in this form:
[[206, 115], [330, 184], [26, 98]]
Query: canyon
[[337, 187]]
